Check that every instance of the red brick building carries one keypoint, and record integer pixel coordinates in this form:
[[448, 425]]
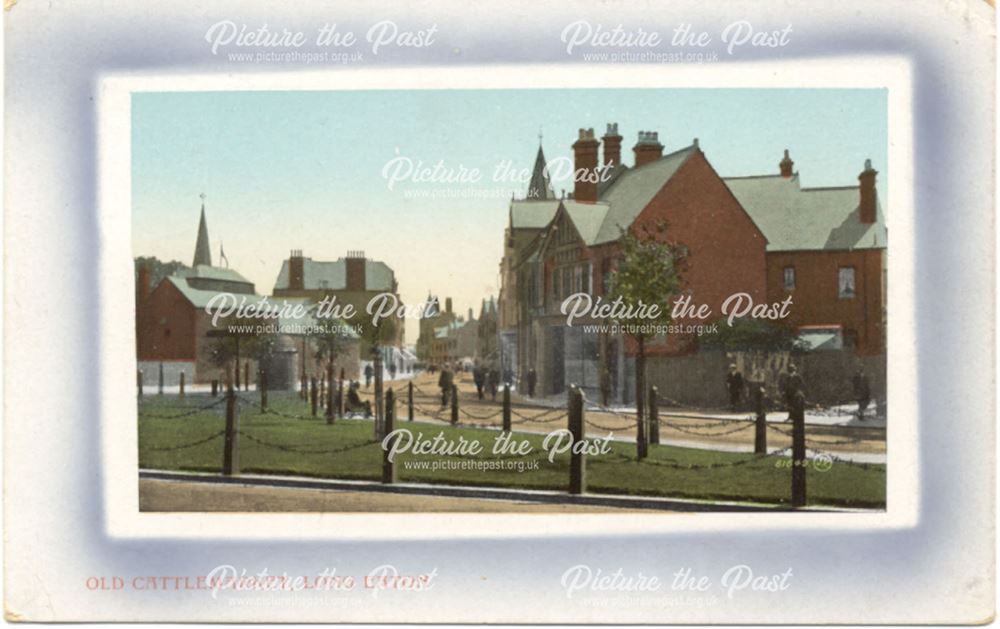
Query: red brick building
[[765, 236]]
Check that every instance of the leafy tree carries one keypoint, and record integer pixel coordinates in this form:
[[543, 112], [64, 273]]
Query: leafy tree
[[750, 335], [158, 269], [646, 280]]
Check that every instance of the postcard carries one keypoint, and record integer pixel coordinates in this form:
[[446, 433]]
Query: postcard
[[437, 316]]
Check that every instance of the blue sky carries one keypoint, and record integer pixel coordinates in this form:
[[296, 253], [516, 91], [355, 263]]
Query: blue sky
[[304, 170]]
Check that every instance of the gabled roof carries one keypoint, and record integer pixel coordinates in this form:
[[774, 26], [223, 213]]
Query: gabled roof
[[199, 298], [317, 275], [633, 189], [587, 218], [793, 218], [532, 214], [202, 271]]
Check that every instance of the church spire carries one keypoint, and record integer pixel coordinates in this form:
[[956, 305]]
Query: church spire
[[202, 254], [540, 187]]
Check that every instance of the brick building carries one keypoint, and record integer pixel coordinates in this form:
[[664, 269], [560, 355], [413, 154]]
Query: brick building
[[765, 236]]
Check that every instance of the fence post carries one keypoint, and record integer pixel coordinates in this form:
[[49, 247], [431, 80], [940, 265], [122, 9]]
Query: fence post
[[799, 460], [215, 387], [454, 403], [182, 385], [506, 407], [138, 381], [246, 376], [577, 461], [231, 454], [329, 393], [262, 386], [653, 410], [389, 467], [312, 395], [340, 395], [409, 401], [159, 387], [760, 438]]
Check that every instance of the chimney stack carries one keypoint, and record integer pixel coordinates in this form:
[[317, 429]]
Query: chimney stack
[[648, 148], [786, 166], [296, 271], [355, 264], [447, 304], [612, 146], [470, 314], [867, 208], [585, 167], [143, 288]]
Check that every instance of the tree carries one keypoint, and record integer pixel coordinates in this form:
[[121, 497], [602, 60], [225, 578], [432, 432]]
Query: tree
[[373, 336], [235, 338], [645, 281]]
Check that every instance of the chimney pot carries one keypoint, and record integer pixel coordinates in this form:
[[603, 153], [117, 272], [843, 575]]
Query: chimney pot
[[585, 167], [868, 195], [612, 146], [648, 148], [786, 165]]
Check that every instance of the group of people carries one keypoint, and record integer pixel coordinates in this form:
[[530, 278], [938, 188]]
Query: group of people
[[486, 378], [791, 387]]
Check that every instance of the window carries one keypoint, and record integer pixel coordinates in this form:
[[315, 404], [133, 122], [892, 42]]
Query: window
[[845, 282], [789, 278]]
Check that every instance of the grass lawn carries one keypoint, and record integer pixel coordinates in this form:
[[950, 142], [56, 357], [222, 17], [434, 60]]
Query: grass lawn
[[283, 445]]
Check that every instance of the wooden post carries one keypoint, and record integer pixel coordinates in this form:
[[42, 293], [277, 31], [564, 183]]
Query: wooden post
[[760, 436], [246, 376], [409, 401], [454, 404], [799, 460], [340, 395], [506, 407], [577, 462], [231, 454], [215, 387], [182, 385], [313, 393], [328, 378], [262, 387], [654, 415], [389, 467], [138, 381], [236, 369], [159, 385]]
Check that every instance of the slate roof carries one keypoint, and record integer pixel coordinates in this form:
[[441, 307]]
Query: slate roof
[[797, 219], [532, 214], [540, 187], [333, 275], [199, 298], [212, 273], [587, 218]]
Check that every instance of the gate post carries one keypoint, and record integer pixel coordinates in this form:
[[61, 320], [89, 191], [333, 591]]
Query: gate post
[[760, 437], [389, 467], [506, 408], [329, 393], [799, 460], [231, 454], [454, 404], [262, 386], [182, 385], [654, 415], [312, 395], [409, 401], [577, 462]]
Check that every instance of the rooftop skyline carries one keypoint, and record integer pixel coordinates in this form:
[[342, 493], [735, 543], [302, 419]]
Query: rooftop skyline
[[319, 171]]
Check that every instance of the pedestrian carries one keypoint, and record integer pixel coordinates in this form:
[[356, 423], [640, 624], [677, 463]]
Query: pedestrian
[[493, 382], [369, 372], [532, 381], [479, 377], [445, 382], [793, 385], [734, 384], [604, 380], [392, 370], [862, 392]]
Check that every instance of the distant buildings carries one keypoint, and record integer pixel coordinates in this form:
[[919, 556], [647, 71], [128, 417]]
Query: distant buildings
[[765, 236]]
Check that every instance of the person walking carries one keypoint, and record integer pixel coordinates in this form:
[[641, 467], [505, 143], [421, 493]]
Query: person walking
[[445, 381], [369, 372], [479, 378], [493, 382], [532, 381], [862, 392], [792, 384], [735, 385]]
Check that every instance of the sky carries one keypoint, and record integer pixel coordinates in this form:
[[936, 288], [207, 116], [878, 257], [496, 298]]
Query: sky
[[329, 172]]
